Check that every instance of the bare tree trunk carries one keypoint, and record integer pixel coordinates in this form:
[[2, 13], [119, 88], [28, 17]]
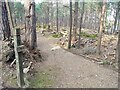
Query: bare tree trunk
[[118, 53], [101, 27], [116, 17], [118, 47], [5, 22], [85, 20], [43, 21], [88, 20], [48, 26], [95, 23], [69, 41], [9, 15], [75, 20], [57, 16], [27, 22], [81, 19], [33, 27], [118, 43], [52, 17], [14, 16], [99, 22]]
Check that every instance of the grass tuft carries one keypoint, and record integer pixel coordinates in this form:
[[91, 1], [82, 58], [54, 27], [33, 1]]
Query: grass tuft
[[44, 26], [93, 36], [41, 81], [57, 35]]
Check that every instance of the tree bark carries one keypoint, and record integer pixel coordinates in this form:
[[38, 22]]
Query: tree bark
[[118, 51], [81, 19], [69, 41], [57, 16], [116, 17], [27, 22], [5, 22], [101, 27], [10, 19], [52, 17], [75, 20], [33, 27], [48, 26]]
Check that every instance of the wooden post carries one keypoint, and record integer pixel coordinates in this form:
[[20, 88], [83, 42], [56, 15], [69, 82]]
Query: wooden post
[[18, 56]]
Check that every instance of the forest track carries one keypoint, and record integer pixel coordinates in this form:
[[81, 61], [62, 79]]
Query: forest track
[[1, 76], [75, 71], [1, 65]]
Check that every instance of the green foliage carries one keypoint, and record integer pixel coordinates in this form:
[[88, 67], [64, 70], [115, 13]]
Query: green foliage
[[38, 26], [88, 35], [44, 26], [57, 35], [105, 62], [18, 9], [38, 7]]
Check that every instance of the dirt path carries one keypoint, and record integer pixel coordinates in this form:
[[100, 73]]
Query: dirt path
[[0, 66], [1, 76], [75, 71]]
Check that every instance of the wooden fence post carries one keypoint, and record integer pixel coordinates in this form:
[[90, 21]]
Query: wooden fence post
[[18, 56]]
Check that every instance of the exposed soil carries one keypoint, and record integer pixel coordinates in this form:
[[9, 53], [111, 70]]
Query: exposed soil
[[74, 71], [62, 69], [0, 65]]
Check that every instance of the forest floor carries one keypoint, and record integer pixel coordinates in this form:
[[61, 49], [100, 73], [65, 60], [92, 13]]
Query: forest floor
[[61, 69], [64, 69], [88, 46], [0, 75], [0, 66]]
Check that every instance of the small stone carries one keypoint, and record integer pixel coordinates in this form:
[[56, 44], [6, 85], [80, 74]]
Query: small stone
[[100, 62], [44, 73]]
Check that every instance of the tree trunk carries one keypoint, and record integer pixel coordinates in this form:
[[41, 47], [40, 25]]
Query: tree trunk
[[52, 17], [75, 21], [33, 27], [27, 22], [48, 26], [14, 16], [81, 19], [101, 27], [9, 15], [116, 17], [118, 52], [85, 20], [69, 41], [5, 22], [57, 16]]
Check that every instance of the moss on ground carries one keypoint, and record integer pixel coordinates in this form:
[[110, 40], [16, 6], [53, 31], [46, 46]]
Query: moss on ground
[[94, 36], [44, 26], [57, 35], [43, 79], [13, 81]]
